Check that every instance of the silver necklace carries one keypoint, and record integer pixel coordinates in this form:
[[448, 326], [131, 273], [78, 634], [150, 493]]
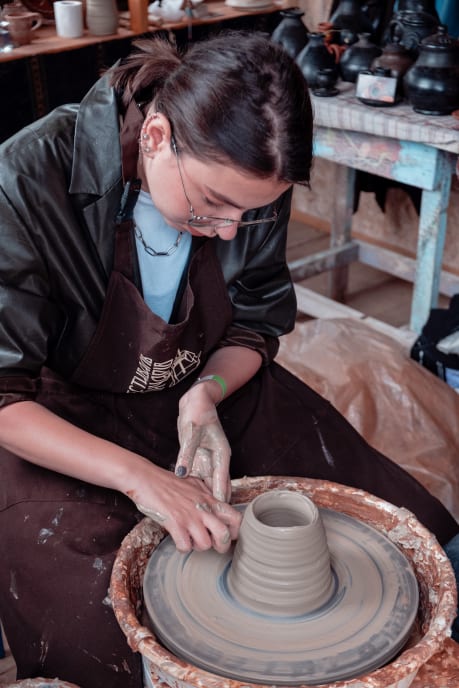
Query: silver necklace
[[151, 251]]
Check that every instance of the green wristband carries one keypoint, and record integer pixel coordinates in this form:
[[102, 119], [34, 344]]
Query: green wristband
[[216, 378]]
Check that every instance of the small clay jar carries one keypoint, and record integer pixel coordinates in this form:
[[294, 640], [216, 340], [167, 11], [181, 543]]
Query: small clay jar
[[358, 57], [314, 57], [292, 32], [432, 83], [326, 83]]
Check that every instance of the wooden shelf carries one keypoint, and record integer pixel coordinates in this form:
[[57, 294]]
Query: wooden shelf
[[52, 70], [46, 41]]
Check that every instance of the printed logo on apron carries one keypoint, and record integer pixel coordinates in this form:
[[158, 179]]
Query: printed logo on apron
[[153, 376]]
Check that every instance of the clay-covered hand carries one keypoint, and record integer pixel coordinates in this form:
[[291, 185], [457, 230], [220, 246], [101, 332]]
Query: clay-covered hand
[[194, 518], [204, 449]]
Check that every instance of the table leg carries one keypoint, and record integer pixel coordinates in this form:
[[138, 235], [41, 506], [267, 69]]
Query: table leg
[[431, 241], [341, 224]]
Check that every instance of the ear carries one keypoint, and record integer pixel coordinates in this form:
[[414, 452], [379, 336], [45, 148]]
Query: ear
[[156, 134]]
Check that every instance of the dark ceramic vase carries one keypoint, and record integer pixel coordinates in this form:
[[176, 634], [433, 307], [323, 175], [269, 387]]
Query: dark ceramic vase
[[291, 32], [358, 57], [432, 83], [315, 57], [350, 19]]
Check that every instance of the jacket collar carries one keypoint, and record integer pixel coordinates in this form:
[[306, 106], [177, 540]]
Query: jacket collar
[[97, 155]]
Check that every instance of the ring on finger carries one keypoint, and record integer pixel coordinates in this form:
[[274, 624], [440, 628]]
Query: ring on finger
[[202, 506]]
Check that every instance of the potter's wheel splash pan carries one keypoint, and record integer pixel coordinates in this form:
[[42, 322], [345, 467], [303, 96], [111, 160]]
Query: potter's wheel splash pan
[[364, 623]]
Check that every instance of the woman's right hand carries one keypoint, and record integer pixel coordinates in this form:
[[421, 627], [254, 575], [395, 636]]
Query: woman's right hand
[[187, 509]]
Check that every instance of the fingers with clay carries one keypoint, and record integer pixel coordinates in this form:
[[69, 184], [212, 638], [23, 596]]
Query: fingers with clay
[[205, 453], [193, 517]]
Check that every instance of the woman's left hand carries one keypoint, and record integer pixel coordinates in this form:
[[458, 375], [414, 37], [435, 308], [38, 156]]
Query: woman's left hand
[[204, 449]]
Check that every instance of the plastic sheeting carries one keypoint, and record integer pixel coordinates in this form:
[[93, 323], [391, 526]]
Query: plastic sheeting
[[400, 408]]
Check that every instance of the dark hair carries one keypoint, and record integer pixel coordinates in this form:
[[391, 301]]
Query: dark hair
[[235, 96]]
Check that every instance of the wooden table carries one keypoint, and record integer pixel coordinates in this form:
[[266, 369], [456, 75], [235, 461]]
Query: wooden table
[[398, 144]]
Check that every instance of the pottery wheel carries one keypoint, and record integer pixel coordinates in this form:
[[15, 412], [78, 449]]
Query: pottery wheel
[[363, 625]]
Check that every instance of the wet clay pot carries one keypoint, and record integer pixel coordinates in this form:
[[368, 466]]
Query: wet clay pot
[[291, 33], [358, 58], [432, 83], [281, 534], [437, 587], [314, 57]]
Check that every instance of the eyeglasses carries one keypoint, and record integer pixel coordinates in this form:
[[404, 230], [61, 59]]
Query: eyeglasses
[[202, 221]]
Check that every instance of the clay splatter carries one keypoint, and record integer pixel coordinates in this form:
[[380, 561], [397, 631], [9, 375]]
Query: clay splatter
[[99, 565], [328, 457], [44, 535], [13, 585]]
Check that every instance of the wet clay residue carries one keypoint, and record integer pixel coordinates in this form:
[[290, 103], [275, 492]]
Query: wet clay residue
[[441, 670]]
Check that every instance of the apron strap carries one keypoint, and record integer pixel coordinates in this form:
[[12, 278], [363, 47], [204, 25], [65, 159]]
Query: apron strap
[[129, 138], [124, 246]]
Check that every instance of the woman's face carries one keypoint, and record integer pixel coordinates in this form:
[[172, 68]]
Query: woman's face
[[212, 189]]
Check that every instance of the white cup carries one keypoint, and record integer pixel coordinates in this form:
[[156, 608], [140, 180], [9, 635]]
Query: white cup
[[69, 18]]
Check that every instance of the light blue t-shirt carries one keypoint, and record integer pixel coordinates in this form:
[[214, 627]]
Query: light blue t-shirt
[[160, 275]]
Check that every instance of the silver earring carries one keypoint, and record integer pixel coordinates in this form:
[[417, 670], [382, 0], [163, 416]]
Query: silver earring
[[145, 136], [145, 149]]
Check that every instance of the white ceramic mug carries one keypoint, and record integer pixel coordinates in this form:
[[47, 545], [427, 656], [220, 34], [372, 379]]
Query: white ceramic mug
[[21, 24], [69, 18]]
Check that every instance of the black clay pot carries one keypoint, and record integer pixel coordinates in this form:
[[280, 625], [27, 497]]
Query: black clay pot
[[358, 57], [326, 83], [291, 32], [432, 83], [351, 20], [315, 57]]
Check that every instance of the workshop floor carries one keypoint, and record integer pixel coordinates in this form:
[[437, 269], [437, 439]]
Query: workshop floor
[[372, 292]]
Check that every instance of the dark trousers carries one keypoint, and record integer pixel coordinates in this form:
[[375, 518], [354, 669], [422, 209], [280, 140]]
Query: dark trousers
[[60, 536]]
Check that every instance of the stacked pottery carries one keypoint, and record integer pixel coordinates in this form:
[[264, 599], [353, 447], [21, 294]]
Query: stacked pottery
[[291, 33], [432, 83]]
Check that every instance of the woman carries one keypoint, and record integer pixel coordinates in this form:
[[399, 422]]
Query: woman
[[144, 285]]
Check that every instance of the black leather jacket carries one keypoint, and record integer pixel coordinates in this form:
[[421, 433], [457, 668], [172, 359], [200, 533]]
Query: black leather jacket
[[60, 189]]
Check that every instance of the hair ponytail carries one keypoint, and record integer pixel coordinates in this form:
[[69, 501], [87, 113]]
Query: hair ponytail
[[235, 97], [145, 70]]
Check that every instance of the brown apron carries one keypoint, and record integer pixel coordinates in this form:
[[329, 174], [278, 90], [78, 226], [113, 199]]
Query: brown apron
[[60, 536]]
